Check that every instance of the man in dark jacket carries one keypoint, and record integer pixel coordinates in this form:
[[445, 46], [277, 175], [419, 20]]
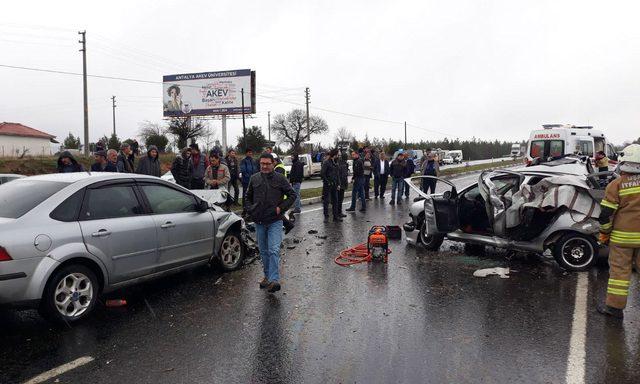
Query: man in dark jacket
[[269, 196], [343, 177], [411, 168], [248, 168], [135, 147], [101, 161], [234, 172], [67, 163], [295, 178], [381, 175], [330, 182], [197, 167], [150, 164], [112, 161], [397, 170], [358, 183], [180, 168], [126, 159]]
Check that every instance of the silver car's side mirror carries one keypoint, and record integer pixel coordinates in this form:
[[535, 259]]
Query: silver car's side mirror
[[203, 206]]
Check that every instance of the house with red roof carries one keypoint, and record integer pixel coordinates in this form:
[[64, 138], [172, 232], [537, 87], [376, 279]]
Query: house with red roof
[[17, 139]]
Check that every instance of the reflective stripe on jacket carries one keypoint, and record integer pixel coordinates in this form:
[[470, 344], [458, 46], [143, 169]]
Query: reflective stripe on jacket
[[620, 214]]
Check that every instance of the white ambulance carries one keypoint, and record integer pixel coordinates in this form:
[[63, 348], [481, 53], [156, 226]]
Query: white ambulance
[[556, 140]]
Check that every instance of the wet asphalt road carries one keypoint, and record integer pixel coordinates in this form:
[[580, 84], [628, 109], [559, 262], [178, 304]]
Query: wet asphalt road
[[421, 318]]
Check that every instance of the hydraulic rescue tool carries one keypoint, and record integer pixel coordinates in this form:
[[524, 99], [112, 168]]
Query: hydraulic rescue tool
[[376, 248]]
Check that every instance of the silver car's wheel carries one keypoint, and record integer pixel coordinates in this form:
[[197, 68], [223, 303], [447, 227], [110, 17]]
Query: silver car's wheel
[[231, 252], [73, 294], [70, 295], [431, 242], [576, 252]]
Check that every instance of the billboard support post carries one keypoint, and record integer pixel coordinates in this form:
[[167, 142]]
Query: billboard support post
[[244, 128], [224, 132]]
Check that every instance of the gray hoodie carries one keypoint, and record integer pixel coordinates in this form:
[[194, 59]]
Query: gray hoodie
[[149, 165]]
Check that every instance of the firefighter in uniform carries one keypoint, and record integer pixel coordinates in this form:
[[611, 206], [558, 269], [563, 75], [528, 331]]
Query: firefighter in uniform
[[620, 228]]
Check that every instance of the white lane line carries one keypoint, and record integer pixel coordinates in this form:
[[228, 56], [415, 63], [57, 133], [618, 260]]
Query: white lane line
[[44, 376], [321, 208], [577, 352]]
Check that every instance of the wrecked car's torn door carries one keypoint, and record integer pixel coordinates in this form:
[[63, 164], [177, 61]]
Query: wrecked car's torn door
[[440, 210], [496, 188]]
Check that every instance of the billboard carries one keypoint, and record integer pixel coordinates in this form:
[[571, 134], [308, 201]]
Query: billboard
[[208, 93]]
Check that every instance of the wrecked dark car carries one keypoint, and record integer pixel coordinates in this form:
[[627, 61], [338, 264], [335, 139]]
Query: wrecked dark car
[[551, 207]]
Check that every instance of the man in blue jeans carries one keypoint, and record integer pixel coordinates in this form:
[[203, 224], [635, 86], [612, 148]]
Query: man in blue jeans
[[269, 196], [358, 181], [296, 175]]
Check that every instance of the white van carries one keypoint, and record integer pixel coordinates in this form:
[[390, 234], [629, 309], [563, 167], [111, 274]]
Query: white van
[[515, 150], [556, 140]]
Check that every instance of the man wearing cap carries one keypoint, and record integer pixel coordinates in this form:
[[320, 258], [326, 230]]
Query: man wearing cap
[[101, 161]]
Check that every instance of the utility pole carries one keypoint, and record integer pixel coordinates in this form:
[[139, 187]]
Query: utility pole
[[113, 102], [405, 134], [306, 96], [244, 128], [84, 84], [269, 124]]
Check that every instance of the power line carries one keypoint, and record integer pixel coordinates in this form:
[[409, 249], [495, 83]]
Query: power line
[[258, 95]]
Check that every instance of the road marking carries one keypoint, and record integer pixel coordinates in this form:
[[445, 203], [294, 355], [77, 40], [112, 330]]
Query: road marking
[[321, 208], [577, 352], [41, 378]]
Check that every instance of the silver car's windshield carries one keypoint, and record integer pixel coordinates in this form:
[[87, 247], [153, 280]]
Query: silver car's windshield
[[18, 198]]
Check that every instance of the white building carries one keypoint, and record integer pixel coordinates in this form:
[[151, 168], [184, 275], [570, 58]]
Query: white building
[[16, 138]]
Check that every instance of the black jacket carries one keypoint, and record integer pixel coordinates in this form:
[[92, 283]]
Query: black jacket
[[234, 168], [329, 173], [181, 171], [358, 168], [377, 169], [397, 169], [297, 172], [343, 172], [111, 167], [149, 165], [266, 192], [125, 163], [73, 167], [410, 168]]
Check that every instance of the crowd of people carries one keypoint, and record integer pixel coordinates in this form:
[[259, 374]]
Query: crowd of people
[[268, 191], [370, 163]]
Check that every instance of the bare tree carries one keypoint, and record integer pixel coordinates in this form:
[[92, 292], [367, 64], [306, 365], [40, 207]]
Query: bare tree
[[292, 127], [148, 129], [343, 134], [185, 129]]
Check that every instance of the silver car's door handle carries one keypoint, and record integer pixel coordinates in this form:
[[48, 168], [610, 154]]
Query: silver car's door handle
[[168, 224], [101, 233]]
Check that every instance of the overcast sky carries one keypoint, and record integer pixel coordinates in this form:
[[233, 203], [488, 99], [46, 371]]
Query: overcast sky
[[489, 69]]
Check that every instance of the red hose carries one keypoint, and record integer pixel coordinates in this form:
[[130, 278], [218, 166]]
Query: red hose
[[354, 255]]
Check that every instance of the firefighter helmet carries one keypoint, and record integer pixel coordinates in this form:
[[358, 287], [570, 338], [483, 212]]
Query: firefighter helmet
[[630, 159]]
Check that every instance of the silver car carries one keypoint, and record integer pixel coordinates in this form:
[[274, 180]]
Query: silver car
[[478, 214], [7, 177], [66, 238]]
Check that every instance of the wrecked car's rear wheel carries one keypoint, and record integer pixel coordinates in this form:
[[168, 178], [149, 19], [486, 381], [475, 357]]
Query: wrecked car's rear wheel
[[430, 242], [575, 252]]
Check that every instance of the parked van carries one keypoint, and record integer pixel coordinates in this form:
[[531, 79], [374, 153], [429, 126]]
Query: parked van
[[556, 140], [456, 155], [310, 167], [515, 150]]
